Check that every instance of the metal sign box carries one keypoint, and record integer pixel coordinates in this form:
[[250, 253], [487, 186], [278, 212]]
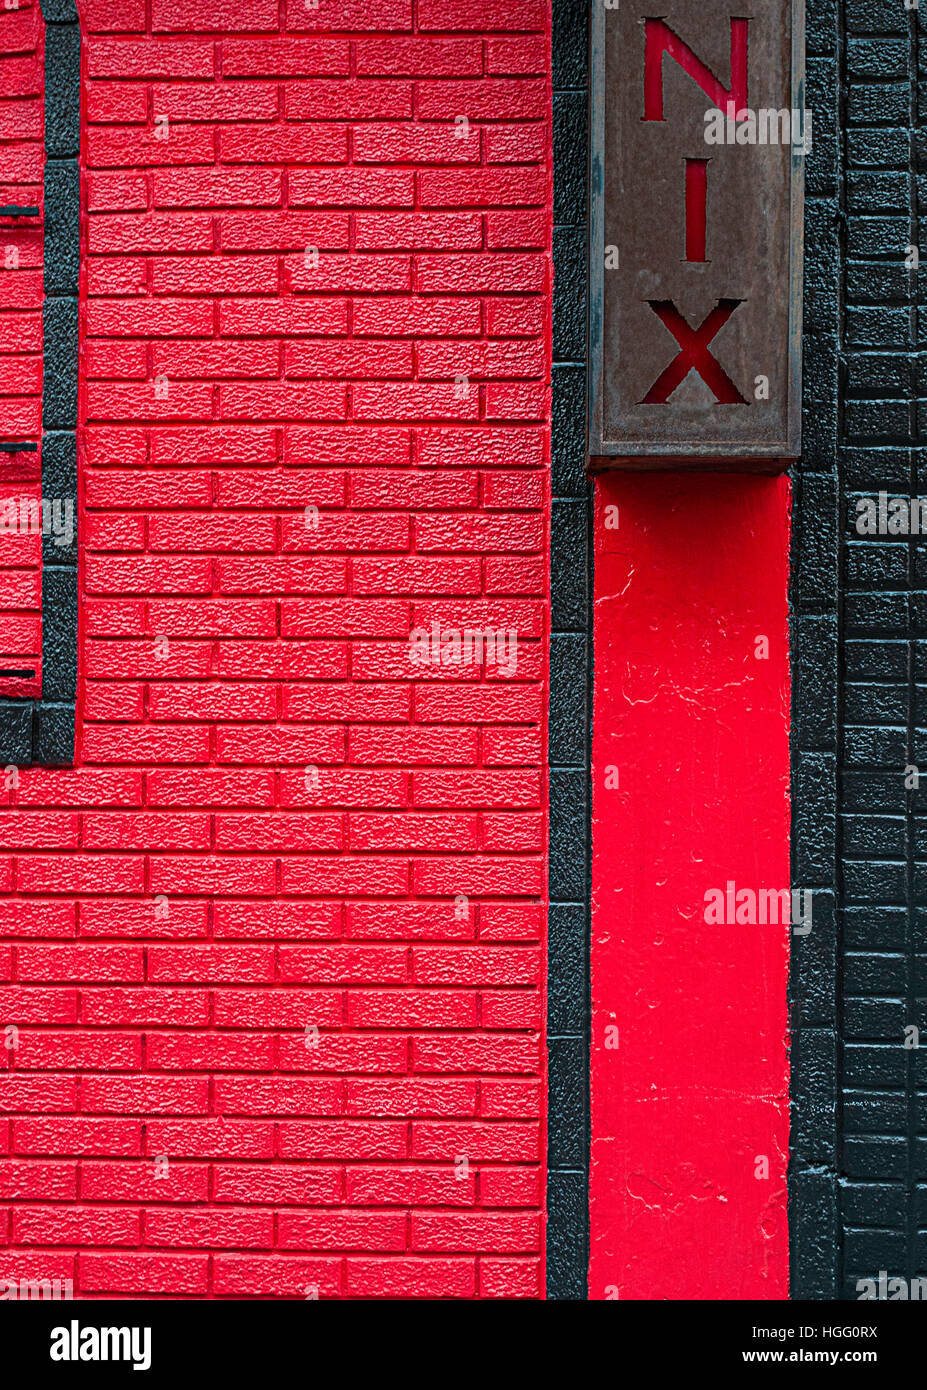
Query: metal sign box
[[699, 137]]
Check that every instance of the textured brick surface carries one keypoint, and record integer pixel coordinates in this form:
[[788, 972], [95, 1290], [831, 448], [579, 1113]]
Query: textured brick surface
[[276, 941], [858, 1170]]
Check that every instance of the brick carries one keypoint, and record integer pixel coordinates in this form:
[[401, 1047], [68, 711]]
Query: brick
[[420, 1186], [467, 1052], [400, 1096], [419, 231], [343, 187], [188, 1226], [348, 101], [380, 1053], [293, 920], [116, 147], [527, 55], [495, 272], [331, 1140], [99, 873], [342, 1231], [116, 101], [198, 188], [378, 15], [293, 1008], [121, 16], [213, 1138], [398, 1278], [320, 358], [37, 1181], [206, 1051], [238, 101], [418, 317], [319, 401], [209, 965], [77, 1136], [448, 143], [283, 144], [286, 57], [144, 1273], [127, 58], [282, 832], [411, 1009], [480, 1232], [284, 317], [53, 963], [221, 16], [408, 921], [517, 1278], [349, 964], [37, 1094], [294, 1184], [346, 273], [276, 1277], [135, 1182], [126, 1007], [151, 1095]]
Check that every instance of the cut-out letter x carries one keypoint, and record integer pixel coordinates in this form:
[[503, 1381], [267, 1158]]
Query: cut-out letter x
[[693, 353]]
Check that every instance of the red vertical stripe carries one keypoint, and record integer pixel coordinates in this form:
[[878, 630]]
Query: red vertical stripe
[[690, 792]]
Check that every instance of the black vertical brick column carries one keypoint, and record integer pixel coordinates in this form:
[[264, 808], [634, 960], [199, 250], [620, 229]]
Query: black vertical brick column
[[813, 1178], [570, 677], [859, 1169], [42, 731]]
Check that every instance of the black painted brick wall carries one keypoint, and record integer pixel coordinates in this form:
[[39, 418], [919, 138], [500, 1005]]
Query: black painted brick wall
[[859, 1175], [814, 636], [570, 677]]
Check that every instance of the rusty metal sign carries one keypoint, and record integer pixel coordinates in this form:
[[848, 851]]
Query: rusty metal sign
[[699, 137]]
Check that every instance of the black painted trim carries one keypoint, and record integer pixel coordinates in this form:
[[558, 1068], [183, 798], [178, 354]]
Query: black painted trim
[[42, 731], [858, 1176], [570, 713]]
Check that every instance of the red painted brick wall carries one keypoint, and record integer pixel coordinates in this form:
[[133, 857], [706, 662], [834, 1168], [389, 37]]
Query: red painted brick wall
[[279, 823]]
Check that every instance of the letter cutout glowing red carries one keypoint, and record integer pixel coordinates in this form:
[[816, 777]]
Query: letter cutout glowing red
[[693, 353], [697, 210]]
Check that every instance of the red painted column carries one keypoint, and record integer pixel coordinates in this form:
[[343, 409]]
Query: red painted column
[[690, 792]]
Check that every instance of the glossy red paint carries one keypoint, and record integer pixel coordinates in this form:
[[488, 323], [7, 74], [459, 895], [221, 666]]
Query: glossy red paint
[[691, 720]]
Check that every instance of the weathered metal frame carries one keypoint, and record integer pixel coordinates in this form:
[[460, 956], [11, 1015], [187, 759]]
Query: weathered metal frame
[[705, 455]]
